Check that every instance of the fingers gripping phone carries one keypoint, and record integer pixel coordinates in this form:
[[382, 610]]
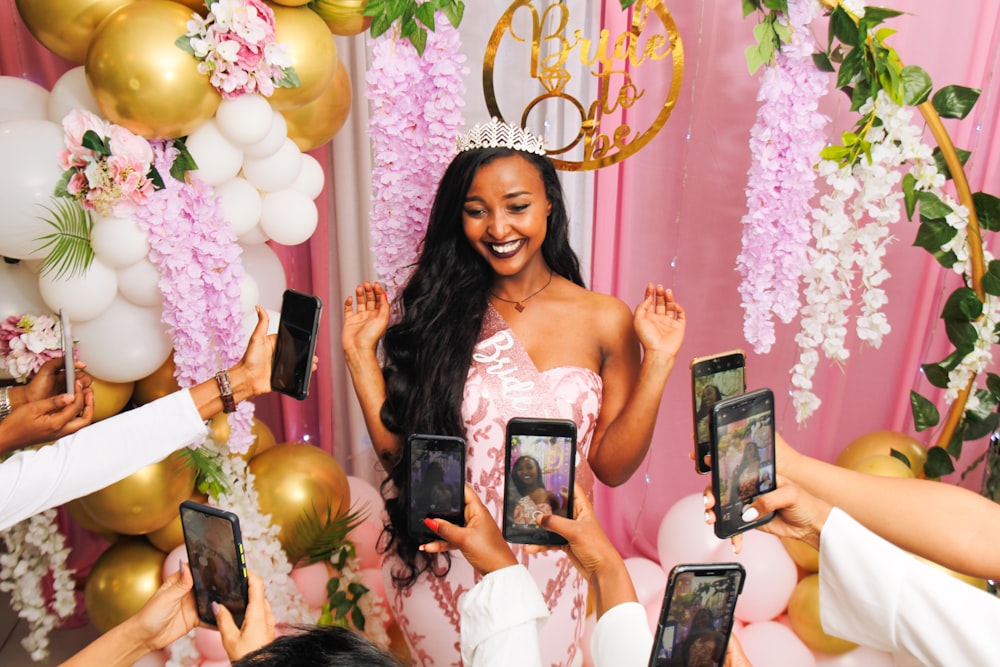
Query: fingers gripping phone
[[435, 485], [291, 366], [218, 564], [713, 378], [69, 360], [742, 446], [540, 465], [696, 617]]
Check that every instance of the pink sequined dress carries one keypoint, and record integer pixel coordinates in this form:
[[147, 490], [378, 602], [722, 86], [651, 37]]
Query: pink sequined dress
[[503, 382]]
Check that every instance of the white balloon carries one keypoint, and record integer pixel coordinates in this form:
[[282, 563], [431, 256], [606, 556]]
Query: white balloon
[[118, 242], [19, 293], [250, 323], [245, 120], [240, 204], [288, 217], [311, 177], [126, 343], [70, 92], [29, 171], [277, 171], [253, 237], [249, 293], [21, 99], [272, 141], [261, 262], [217, 158], [140, 284], [83, 296]]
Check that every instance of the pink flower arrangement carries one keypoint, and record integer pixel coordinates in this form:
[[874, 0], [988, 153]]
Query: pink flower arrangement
[[27, 342], [236, 47], [107, 168]]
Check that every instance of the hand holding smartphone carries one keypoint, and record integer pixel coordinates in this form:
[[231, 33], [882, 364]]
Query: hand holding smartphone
[[713, 378], [696, 618], [218, 564], [743, 459], [69, 358], [291, 366], [435, 485], [540, 462]]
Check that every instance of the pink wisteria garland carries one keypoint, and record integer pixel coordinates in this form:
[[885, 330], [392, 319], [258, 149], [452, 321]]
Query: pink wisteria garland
[[785, 139], [195, 251], [416, 112]]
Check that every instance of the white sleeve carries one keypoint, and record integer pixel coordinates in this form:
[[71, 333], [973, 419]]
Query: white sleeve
[[621, 637], [877, 595], [96, 456], [501, 618]]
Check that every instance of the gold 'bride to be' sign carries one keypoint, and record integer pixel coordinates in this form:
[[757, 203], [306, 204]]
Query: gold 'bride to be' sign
[[626, 88]]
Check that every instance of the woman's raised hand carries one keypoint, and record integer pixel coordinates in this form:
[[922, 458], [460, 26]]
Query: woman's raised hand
[[366, 317], [659, 321]]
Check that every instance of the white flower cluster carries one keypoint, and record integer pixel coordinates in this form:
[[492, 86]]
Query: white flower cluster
[[851, 230], [34, 549], [377, 615]]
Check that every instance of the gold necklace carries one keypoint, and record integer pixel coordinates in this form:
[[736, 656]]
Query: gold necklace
[[519, 303]]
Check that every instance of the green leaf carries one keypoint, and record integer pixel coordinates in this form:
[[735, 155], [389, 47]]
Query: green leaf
[[419, 40], [993, 385], [932, 234], [356, 589], [938, 463], [754, 59], [955, 101], [875, 15], [942, 165], [962, 305], [991, 278], [987, 210], [909, 194], [358, 618], [925, 414], [843, 28], [425, 14], [453, 11], [777, 5], [960, 333], [932, 208], [822, 62], [184, 162], [850, 68], [94, 142], [317, 538], [210, 478], [380, 24], [69, 250], [916, 85], [901, 456], [937, 373], [749, 7], [957, 438]]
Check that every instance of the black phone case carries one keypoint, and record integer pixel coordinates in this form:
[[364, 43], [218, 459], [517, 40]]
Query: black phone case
[[417, 506], [518, 533], [705, 367], [291, 366], [757, 404], [215, 554], [734, 575]]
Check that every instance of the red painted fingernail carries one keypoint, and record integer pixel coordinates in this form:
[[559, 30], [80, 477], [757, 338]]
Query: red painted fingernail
[[431, 523]]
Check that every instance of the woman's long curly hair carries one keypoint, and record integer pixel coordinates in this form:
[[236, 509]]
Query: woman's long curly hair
[[427, 353]]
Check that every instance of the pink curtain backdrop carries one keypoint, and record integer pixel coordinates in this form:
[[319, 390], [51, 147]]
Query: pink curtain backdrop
[[671, 214]]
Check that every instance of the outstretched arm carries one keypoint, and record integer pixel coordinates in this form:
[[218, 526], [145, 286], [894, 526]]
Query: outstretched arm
[[633, 387], [41, 412]]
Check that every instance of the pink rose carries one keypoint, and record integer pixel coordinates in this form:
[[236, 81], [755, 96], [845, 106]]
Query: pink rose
[[77, 122], [133, 148]]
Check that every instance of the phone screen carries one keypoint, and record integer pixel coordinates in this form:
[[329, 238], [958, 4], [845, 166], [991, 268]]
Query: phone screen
[[697, 615], [713, 379], [743, 456], [215, 554], [540, 463], [436, 482], [69, 360], [291, 367]]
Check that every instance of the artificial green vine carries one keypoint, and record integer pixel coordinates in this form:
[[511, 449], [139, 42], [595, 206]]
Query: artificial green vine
[[414, 18]]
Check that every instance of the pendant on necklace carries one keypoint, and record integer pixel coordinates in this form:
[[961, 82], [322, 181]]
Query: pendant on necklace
[[518, 306]]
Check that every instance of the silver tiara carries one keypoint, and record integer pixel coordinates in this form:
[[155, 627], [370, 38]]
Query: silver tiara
[[498, 134]]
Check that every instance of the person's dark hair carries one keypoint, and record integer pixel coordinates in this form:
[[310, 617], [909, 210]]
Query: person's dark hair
[[521, 488], [427, 352], [320, 646]]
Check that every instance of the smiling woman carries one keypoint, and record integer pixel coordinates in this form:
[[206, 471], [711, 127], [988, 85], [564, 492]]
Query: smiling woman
[[495, 317]]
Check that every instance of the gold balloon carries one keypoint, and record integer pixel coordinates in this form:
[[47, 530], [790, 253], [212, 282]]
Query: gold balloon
[[291, 3], [124, 577], [343, 17], [78, 514], [804, 555], [195, 6], [883, 465], [66, 27], [218, 430], [141, 79], [171, 536], [312, 125], [312, 51], [981, 584], [397, 643], [883, 442], [144, 501], [803, 614], [110, 397], [157, 385], [295, 480]]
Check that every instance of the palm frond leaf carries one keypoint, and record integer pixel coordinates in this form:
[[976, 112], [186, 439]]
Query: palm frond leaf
[[319, 538], [69, 249], [211, 479]]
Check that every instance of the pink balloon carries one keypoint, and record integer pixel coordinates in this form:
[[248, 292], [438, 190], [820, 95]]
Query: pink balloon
[[653, 609], [214, 663], [365, 498], [311, 582], [365, 538], [684, 537], [775, 645], [862, 656], [209, 644], [648, 579], [154, 659], [588, 631], [373, 581], [771, 576], [173, 560]]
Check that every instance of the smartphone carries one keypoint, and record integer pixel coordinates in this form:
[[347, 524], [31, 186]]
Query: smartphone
[[435, 485], [696, 617], [218, 564], [742, 448], [291, 366], [713, 378], [540, 465], [69, 360]]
